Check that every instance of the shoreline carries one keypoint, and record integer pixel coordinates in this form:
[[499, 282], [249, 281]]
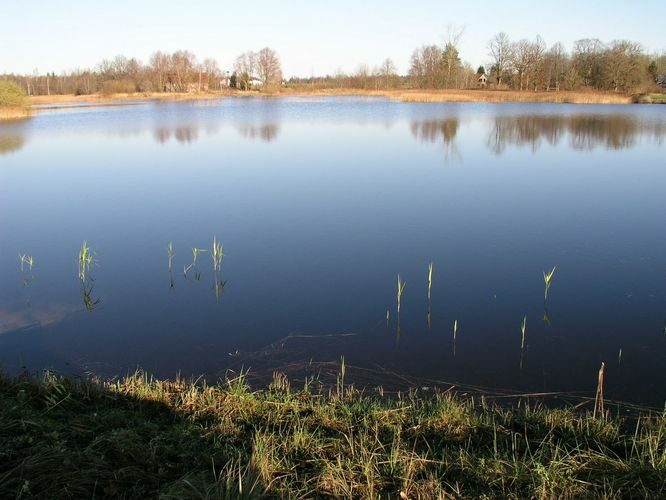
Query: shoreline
[[406, 95], [142, 437]]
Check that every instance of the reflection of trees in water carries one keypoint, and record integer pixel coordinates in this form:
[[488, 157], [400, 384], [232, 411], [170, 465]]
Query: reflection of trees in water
[[437, 131], [10, 142], [585, 132], [190, 133], [267, 132], [184, 135]]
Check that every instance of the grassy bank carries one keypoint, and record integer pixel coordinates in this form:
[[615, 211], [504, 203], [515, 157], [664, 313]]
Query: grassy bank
[[138, 437]]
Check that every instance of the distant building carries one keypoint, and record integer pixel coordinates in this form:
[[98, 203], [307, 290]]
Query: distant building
[[482, 80], [226, 79]]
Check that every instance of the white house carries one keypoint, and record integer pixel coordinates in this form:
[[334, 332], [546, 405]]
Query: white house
[[482, 80]]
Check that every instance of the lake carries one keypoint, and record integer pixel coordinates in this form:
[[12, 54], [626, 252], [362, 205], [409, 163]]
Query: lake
[[320, 203]]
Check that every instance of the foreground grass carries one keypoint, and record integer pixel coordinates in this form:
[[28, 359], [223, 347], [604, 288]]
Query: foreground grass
[[138, 437]]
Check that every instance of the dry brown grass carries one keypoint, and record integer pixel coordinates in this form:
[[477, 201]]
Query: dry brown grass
[[471, 95], [14, 113], [404, 95], [100, 99], [508, 96]]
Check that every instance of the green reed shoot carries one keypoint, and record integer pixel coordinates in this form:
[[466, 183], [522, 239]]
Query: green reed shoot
[[217, 254], [401, 289], [195, 254], [86, 260], [429, 281], [548, 280], [170, 254], [26, 259], [522, 329]]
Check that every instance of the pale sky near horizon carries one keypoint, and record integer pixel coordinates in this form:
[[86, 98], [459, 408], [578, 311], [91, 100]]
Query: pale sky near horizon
[[310, 37]]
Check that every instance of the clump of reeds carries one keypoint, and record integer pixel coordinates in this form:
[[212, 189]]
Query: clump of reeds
[[195, 254], [548, 280], [86, 260], [26, 260]]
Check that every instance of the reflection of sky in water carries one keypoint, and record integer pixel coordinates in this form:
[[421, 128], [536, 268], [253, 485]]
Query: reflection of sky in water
[[320, 203]]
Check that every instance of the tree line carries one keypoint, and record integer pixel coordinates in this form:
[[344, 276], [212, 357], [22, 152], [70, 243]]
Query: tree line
[[524, 65], [180, 71]]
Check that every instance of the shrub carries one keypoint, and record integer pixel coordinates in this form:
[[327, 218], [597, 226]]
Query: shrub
[[11, 95], [110, 87]]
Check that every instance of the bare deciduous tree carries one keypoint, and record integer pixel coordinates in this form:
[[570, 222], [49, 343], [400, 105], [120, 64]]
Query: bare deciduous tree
[[501, 51], [387, 73], [268, 67], [245, 68]]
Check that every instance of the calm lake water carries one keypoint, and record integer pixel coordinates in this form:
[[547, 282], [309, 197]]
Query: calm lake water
[[320, 203]]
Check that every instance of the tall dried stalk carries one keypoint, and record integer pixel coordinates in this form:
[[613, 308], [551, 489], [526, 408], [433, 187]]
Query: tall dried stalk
[[599, 398]]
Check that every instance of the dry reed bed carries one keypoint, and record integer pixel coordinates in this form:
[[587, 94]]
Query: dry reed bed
[[400, 95], [512, 96], [14, 113]]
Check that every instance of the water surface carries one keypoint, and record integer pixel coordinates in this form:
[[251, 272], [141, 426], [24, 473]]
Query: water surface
[[320, 203]]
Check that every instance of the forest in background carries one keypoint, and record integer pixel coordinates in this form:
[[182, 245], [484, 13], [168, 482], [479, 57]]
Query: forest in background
[[524, 65]]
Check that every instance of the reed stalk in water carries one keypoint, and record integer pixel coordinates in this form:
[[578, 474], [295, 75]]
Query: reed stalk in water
[[217, 254], [401, 289], [86, 260], [429, 281], [522, 330], [548, 280], [170, 254], [26, 259]]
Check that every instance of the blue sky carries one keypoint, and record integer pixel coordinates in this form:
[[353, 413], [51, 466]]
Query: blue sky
[[311, 37]]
